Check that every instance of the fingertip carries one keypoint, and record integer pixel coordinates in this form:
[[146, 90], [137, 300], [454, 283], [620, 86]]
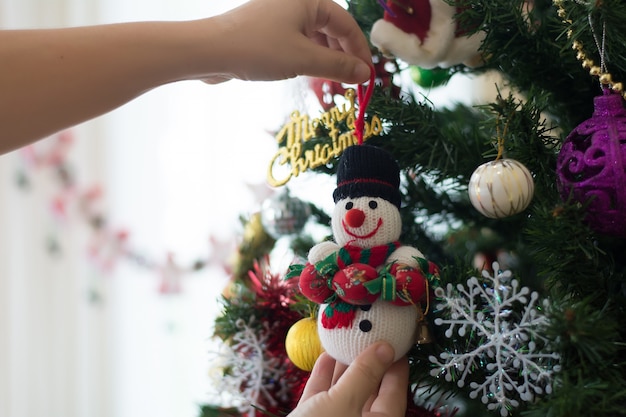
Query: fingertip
[[320, 378], [385, 353], [323, 362], [392, 394], [366, 372], [321, 61], [346, 68], [362, 72]]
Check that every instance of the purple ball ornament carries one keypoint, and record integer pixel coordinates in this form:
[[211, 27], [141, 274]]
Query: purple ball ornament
[[590, 166]]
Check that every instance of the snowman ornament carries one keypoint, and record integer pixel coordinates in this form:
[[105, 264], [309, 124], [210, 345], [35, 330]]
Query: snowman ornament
[[369, 286]]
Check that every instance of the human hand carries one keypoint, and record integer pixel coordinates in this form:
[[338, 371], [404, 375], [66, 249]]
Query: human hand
[[370, 387], [280, 39], [66, 76]]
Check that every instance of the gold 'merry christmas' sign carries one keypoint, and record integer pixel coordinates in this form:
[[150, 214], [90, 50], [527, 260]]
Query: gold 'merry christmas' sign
[[301, 128]]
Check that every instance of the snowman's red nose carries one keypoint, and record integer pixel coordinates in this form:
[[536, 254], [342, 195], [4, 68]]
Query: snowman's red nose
[[355, 217]]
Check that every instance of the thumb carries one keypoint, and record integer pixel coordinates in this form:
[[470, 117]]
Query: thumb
[[365, 374]]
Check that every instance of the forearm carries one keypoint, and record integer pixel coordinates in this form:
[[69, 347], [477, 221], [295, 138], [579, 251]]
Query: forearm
[[53, 79]]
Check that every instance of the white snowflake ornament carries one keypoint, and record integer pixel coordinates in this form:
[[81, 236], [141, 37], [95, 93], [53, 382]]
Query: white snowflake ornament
[[507, 345], [252, 374]]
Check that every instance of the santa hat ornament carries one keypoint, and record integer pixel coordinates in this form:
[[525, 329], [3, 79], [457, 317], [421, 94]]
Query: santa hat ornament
[[425, 33]]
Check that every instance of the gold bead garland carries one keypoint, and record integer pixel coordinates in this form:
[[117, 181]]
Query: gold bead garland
[[605, 78]]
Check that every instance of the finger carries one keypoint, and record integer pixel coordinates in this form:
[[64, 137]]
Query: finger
[[321, 39], [368, 404], [334, 21], [333, 43], [320, 378], [324, 62], [345, 55], [392, 394], [340, 368], [365, 374], [217, 79]]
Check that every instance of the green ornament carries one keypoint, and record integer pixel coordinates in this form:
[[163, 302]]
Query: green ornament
[[429, 78]]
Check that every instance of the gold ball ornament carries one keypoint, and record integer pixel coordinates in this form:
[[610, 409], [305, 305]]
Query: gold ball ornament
[[501, 188], [303, 344]]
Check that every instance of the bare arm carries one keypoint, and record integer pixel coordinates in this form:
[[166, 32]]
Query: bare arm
[[55, 78], [52, 79]]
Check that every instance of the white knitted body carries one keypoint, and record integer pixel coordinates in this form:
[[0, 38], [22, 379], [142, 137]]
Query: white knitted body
[[391, 323]]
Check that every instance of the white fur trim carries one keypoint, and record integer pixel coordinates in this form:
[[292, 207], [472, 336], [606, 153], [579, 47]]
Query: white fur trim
[[440, 48], [405, 255], [464, 50], [321, 251]]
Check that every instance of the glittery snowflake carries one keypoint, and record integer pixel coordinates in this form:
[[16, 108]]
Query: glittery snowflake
[[502, 323], [252, 377]]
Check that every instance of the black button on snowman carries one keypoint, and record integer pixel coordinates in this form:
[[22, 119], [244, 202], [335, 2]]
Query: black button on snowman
[[369, 286]]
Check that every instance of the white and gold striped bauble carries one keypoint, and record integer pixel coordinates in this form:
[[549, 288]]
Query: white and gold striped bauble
[[501, 188]]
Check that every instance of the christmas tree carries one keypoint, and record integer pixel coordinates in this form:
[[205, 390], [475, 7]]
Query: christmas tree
[[527, 309]]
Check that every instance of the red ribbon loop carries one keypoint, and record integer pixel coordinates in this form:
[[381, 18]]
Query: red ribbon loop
[[363, 97]]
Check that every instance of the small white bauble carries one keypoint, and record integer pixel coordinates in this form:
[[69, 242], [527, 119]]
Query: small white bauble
[[501, 188], [372, 323]]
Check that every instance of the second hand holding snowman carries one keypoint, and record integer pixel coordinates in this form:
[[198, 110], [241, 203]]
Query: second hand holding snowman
[[369, 286]]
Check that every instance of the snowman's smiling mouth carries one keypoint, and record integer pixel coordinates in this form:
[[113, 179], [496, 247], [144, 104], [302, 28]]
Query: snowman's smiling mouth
[[365, 236]]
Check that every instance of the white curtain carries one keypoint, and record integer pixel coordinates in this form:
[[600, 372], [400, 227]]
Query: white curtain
[[174, 167], [53, 344]]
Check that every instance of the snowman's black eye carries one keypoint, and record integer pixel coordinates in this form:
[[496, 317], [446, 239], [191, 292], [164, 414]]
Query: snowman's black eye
[[373, 204], [349, 205], [365, 326], [365, 307]]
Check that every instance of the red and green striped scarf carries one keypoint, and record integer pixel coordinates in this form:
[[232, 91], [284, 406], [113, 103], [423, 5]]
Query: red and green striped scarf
[[351, 254]]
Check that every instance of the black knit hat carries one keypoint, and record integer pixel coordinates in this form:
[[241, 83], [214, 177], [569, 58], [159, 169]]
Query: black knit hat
[[367, 171]]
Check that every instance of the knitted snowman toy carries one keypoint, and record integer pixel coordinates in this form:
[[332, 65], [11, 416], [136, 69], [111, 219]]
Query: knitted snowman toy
[[368, 285], [424, 33]]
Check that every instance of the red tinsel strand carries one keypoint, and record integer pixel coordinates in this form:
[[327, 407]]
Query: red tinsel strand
[[272, 289], [363, 96]]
